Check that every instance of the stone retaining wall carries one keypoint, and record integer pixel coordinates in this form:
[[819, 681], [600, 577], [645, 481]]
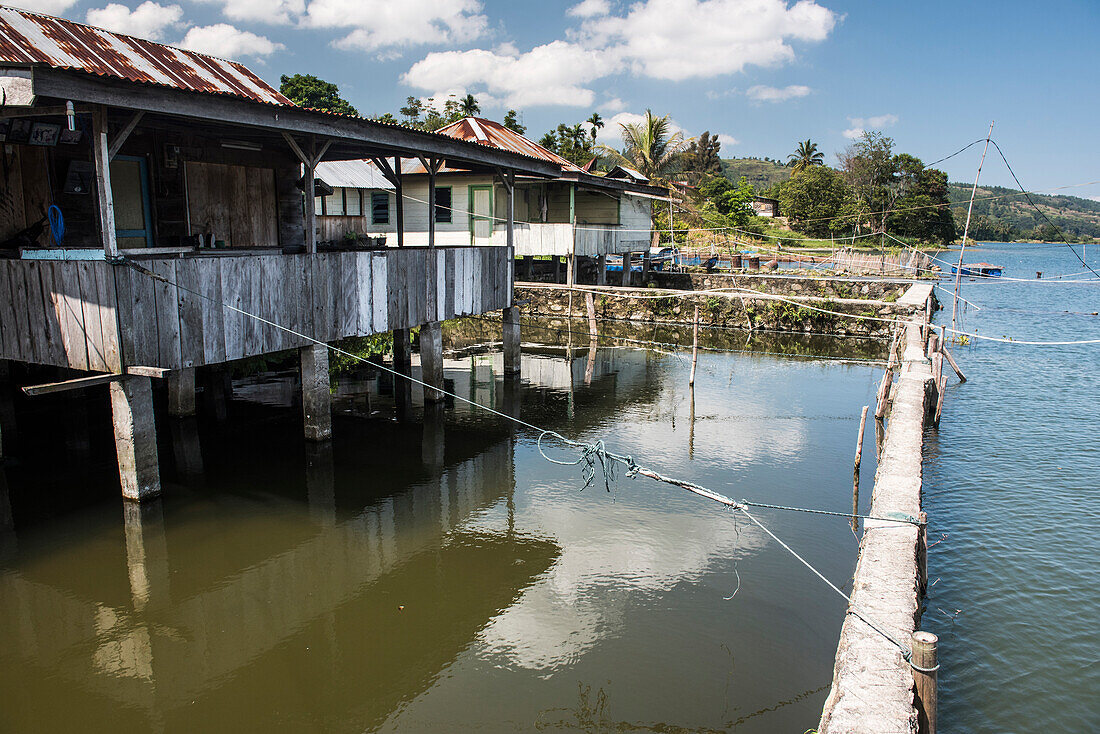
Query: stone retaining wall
[[652, 305], [838, 288]]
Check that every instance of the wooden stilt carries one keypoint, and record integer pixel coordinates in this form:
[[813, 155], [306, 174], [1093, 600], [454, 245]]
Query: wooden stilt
[[954, 366], [431, 360], [694, 348], [511, 338], [316, 395], [135, 438], [881, 402], [181, 392], [859, 442], [590, 306]]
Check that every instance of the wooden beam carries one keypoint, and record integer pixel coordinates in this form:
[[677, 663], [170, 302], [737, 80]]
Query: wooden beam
[[76, 384], [105, 198], [140, 371], [124, 133], [294, 146], [310, 212], [399, 201], [7, 112]]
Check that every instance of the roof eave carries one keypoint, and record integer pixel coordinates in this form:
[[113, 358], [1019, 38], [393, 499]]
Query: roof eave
[[395, 140]]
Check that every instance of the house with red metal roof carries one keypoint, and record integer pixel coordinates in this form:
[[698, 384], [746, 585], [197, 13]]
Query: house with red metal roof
[[153, 221], [575, 214]]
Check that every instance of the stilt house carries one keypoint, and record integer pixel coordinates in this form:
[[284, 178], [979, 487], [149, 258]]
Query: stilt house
[[181, 181]]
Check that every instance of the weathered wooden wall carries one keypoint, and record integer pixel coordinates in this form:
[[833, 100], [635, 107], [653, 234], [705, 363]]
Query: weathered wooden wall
[[97, 316], [236, 204]]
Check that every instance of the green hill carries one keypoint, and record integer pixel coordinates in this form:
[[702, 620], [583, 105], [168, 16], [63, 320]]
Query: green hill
[[1005, 214], [761, 174]]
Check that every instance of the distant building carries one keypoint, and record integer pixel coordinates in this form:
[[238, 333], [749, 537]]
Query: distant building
[[762, 206]]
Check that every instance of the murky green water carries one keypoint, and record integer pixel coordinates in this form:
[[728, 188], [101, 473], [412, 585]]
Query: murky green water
[[1013, 480], [436, 573]]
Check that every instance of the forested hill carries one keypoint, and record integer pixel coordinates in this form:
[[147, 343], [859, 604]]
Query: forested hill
[[761, 174], [1011, 217]]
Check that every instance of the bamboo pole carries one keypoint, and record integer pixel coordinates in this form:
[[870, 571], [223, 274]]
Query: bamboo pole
[[925, 657], [951, 361], [966, 230], [694, 347], [859, 441]]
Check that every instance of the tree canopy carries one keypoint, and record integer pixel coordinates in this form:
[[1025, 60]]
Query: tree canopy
[[649, 146], [805, 156], [701, 157], [814, 198], [307, 90]]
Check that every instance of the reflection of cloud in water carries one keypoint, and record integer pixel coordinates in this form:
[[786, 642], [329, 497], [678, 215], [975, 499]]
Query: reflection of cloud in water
[[583, 597]]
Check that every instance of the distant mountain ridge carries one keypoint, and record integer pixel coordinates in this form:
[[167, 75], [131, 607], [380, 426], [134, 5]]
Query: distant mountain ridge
[[1004, 214], [760, 173]]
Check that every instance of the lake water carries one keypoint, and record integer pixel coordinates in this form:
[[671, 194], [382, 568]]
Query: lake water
[[435, 573], [1013, 479]]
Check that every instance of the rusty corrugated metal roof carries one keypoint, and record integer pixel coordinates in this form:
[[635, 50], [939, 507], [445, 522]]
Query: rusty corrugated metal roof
[[493, 134], [30, 38]]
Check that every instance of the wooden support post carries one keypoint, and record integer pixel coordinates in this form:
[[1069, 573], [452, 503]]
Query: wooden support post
[[528, 268], [601, 270], [135, 438], [186, 447], [104, 197], [694, 347], [310, 168], [511, 339], [316, 397], [557, 268], [433, 440], [181, 392], [146, 555], [590, 306], [431, 360], [7, 422], [399, 201], [402, 360], [922, 555], [626, 269], [646, 262], [881, 402], [925, 658], [570, 273], [215, 393]]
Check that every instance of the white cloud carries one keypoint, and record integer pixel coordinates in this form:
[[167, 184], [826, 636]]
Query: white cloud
[[553, 74], [377, 24], [862, 124], [590, 8], [147, 20], [612, 106], [713, 94], [612, 133], [761, 93], [226, 41], [48, 7], [727, 140], [681, 39]]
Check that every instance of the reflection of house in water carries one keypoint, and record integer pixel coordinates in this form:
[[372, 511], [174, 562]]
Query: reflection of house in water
[[333, 617]]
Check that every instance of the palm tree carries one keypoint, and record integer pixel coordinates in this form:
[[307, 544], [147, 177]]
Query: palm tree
[[806, 155], [469, 105], [650, 147], [597, 124]]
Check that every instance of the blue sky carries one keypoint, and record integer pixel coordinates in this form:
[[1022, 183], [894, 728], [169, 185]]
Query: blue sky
[[763, 74]]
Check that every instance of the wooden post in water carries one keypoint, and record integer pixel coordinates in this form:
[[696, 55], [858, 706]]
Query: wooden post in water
[[925, 666], [951, 361], [590, 306], [859, 441], [694, 348]]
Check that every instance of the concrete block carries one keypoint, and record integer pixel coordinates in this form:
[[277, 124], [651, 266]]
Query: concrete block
[[316, 398], [135, 438]]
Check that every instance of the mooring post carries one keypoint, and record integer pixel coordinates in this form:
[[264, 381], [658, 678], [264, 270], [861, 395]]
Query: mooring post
[[922, 554], [601, 270], [590, 306], [511, 338], [181, 392], [859, 440], [951, 361], [924, 667], [316, 395], [431, 360], [135, 438], [694, 352], [646, 261]]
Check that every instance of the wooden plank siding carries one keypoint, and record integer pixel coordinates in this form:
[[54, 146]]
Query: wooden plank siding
[[97, 316]]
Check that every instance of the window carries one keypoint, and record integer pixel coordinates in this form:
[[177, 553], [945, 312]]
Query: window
[[443, 203], [334, 204], [380, 208], [318, 206], [353, 205]]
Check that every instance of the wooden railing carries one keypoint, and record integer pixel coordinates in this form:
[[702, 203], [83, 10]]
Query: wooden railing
[[94, 315]]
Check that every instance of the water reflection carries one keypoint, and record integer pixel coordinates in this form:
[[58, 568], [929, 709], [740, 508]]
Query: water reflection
[[427, 569]]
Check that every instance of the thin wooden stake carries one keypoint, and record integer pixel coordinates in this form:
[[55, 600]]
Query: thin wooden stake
[[925, 657], [590, 305], [694, 346], [883, 393], [859, 441]]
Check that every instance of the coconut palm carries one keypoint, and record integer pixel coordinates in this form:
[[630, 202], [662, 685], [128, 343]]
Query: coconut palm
[[469, 105], [597, 124], [649, 146], [806, 155]]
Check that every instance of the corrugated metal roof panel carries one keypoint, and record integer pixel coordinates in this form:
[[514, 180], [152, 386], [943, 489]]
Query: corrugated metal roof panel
[[352, 175], [487, 132], [29, 38]]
